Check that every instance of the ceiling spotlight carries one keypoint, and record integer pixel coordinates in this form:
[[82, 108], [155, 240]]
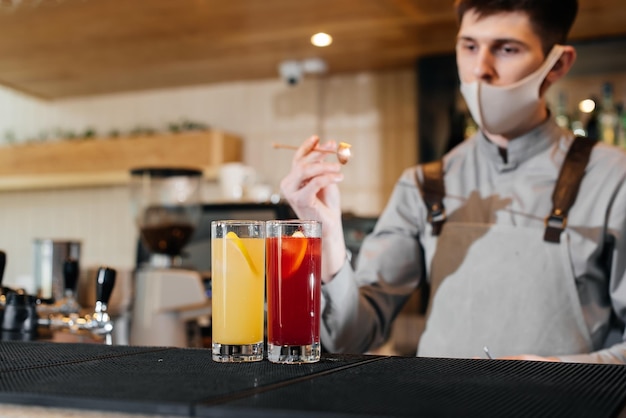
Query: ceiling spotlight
[[321, 39]]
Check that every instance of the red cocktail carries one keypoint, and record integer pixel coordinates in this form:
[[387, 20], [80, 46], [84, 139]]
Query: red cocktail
[[293, 271]]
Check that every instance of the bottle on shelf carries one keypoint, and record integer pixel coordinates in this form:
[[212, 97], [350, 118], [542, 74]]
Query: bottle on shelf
[[578, 127], [620, 140], [562, 116], [592, 125], [607, 116]]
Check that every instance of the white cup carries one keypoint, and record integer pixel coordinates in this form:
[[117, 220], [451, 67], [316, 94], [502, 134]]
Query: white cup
[[234, 179]]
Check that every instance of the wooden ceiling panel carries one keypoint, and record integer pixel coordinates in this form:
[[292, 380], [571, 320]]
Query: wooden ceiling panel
[[64, 48]]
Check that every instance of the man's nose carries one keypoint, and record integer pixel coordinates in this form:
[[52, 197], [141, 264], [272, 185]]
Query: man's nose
[[484, 66]]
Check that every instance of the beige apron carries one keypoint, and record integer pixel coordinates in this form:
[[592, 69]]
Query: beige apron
[[520, 299]]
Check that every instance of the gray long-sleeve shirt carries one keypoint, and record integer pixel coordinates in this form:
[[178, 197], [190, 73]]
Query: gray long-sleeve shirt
[[514, 189]]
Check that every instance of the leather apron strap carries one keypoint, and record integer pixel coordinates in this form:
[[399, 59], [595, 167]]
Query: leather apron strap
[[567, 186], [433, 190], [563, 197]]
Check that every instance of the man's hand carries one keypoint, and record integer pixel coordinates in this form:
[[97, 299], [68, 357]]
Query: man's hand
[[311, 190]]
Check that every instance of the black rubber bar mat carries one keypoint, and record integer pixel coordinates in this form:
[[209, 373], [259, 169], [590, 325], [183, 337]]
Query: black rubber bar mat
[[147, 380], [430, 387], [16, 356]]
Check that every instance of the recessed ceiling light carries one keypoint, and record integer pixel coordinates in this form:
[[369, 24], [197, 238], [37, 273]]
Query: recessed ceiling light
[[321, 39]]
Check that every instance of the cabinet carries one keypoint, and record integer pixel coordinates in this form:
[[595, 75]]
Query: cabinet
[[107, 161]]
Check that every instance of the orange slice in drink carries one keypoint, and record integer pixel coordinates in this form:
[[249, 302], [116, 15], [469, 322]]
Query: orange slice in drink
[[295, 246], [233, 238]]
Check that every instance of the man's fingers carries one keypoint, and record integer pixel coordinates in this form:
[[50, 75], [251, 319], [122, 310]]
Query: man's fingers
[[306, 148], [303, 172], [305, 197], [310, 152], [315, 184]]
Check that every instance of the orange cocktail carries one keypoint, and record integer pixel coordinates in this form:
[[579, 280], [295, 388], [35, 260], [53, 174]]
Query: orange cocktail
[[238, 289]]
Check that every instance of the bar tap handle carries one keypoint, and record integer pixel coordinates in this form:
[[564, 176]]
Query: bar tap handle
[[3, 295], [4, 291], [3, 263], [105, 280], [70, 275], [68, 304]]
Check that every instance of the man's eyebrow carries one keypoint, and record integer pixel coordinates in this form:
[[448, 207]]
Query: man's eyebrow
[[501, 41], [497, 41]]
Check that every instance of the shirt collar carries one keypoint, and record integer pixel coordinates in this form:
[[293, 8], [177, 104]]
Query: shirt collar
[[522, 148]]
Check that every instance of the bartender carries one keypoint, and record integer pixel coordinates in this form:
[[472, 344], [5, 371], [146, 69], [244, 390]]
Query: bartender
[[508, 266]]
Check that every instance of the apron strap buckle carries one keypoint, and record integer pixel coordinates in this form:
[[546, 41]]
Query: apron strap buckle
[[436, 217], [433, 191], [555, 224], [567, 185]]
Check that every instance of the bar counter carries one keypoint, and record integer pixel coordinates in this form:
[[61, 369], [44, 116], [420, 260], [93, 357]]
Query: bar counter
[[121, 381]]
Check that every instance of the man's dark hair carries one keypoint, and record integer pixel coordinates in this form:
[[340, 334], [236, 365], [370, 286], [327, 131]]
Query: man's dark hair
[[550, 19]]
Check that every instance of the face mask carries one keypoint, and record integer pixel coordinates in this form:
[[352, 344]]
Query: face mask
[[503, 109]]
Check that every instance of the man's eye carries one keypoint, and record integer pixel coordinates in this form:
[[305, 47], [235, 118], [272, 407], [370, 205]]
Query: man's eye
[[468, 47], [508, 50]]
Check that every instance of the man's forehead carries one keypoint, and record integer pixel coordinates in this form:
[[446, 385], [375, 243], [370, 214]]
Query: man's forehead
[[499, 27]]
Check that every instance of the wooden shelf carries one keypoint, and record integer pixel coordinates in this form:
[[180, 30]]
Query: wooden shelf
[[107, 161]]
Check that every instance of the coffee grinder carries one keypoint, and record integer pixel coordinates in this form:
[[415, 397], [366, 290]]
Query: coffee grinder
[[166, 207]]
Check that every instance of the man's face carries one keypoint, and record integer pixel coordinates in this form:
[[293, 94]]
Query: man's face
[[499, 49]]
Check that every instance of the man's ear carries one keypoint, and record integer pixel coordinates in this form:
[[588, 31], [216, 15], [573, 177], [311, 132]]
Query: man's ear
[[560, 69], [563, 65]]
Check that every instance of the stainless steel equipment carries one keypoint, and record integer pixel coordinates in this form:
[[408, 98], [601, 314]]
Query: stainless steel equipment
[[98, 323], [25, 318]]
